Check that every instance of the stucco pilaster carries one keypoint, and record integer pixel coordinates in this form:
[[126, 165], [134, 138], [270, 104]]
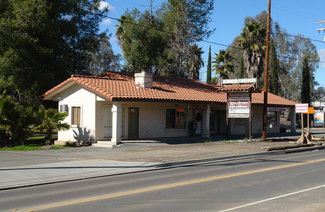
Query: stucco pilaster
[[116, 123], [206, 123], [293, 120]]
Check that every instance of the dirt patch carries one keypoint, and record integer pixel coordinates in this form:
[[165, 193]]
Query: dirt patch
[[173, 153]]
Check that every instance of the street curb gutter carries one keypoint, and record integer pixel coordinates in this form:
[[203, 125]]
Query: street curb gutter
[[169, 166]]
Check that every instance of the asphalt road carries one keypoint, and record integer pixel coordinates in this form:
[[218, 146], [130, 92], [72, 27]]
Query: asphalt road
[[292, 182]]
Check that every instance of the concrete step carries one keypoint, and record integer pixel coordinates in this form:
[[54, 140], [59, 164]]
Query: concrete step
[[107, 144]]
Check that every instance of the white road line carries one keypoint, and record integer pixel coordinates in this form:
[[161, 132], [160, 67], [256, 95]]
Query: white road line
[[273, 198]]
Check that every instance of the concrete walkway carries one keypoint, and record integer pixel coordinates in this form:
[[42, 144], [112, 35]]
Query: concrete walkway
[[19, 169]]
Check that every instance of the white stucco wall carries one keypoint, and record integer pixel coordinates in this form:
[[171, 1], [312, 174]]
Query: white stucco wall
[[257, 121], [77, 96], [237, 126], [152, 119], [100, 117]]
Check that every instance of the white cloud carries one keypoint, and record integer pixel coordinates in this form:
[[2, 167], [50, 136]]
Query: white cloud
[[113, 40], [321, 54], [104, 5], [107, 21]]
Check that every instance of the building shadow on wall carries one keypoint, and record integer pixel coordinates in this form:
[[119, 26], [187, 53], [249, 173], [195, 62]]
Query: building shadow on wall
[[82, 137]]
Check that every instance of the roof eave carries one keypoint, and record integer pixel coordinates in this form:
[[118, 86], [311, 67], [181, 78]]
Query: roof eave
[[57, 90]]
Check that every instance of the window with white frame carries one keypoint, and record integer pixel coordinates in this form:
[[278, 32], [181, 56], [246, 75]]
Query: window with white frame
[[75, 115]]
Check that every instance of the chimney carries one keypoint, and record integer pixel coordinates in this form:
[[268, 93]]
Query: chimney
[[144, 79]]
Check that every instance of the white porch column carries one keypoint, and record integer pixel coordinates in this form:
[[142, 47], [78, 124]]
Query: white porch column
[[206, 123], [116, 123], [293, 120]]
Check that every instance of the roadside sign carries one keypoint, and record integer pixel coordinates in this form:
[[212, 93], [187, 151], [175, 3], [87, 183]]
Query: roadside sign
[[238, 105], [302, 108], [319, 118], [310, 110]]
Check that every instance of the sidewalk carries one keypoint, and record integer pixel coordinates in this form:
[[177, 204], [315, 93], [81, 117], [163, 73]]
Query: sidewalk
[[19, 169]]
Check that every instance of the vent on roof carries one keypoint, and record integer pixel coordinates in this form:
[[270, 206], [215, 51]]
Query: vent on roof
[[143, 79]]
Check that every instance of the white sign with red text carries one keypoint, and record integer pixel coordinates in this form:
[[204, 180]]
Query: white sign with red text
[[302, 108]]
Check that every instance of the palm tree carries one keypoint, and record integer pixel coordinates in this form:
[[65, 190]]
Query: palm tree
[[252, 41], [51, 119], [194, 62], [222, 64], [120, 29]]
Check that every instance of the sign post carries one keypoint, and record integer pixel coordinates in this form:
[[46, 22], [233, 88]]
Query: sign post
[[302, 108], [310, 111], [239, 106]]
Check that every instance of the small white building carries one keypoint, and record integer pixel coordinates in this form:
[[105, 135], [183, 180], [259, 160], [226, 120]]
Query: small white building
[[118, 106]]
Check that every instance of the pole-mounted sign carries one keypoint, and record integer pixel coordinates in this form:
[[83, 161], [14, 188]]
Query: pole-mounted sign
[[302, 108]]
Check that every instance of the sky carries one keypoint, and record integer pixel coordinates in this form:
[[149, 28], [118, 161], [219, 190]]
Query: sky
[[296, 16]]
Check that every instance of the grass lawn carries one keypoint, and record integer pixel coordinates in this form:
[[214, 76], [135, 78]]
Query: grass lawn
[[31, 148], [40, 137]]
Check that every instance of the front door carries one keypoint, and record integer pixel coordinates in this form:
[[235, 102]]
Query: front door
[[133, 123]]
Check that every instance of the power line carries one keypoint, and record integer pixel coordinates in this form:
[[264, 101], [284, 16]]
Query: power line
[[303, 38], [207, 41]]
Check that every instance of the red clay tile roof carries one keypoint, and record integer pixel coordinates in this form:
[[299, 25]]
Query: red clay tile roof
[[237, 87], [117, 86], [258, 98]]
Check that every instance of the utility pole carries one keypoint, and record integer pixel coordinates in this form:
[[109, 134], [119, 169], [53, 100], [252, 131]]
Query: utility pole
[[266, 71], [151, 21], [321, 29]]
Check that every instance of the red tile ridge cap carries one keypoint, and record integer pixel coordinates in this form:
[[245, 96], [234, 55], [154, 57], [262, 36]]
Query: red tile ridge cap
[[96, 77], [78, 80], [94, 88]]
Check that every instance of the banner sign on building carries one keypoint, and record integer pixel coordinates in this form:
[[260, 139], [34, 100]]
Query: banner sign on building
[[238, 105], [302, 108], [276, 109], [318, 117]]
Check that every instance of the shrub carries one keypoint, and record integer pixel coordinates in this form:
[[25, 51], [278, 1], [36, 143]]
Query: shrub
[[15, 119]]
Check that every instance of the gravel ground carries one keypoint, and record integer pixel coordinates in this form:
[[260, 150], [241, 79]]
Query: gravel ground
[[194, 151], [146, 151]]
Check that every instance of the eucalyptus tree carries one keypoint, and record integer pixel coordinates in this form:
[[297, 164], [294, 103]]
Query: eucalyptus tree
[[161, 41], [104, 58], [187, 21], [141, 40]]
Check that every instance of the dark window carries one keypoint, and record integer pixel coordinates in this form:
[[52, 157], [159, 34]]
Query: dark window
[[272, 117], [176, 118]]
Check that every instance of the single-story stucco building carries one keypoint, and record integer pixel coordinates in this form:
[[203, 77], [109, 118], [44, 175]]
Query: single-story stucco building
[[116, 106]]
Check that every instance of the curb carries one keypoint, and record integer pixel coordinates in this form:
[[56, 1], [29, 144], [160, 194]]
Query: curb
[[170, 166]]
